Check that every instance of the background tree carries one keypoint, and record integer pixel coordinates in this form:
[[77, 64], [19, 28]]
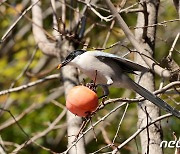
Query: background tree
[[37, 35]]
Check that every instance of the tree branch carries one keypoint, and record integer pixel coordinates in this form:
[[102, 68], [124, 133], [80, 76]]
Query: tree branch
[[39, 35], [41, 134], [140, 48], [25, 86], [17, 20], [139, 131]]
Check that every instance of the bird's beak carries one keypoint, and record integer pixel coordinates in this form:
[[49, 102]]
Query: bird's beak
[[59, 66], [64, 63]]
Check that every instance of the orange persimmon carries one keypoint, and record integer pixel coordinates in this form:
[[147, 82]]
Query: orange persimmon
[[81, 101]]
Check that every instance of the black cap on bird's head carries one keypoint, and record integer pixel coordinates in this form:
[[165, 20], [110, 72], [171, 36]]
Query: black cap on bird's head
[[70, 57]]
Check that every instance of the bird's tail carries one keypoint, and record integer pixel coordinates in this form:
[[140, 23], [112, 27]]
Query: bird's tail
[[153, 98]]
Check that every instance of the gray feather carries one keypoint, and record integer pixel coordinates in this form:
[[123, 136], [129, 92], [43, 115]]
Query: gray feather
[[153, 98], [127, 65]]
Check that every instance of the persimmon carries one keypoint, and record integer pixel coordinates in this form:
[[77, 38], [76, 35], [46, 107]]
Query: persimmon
[[81, 101]]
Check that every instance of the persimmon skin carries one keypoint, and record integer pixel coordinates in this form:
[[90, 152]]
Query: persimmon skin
[[81, 101]]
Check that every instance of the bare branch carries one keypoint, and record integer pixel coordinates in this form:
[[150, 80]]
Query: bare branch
[[139, 131], [95, 124], [55, 19], [50, 77], [41, 134], [31, 108], [160, 71], [40, 38], [139, 99], [163, 23], [108, 34], [107, 19], [173, 45], [122, 118], [17, 20]]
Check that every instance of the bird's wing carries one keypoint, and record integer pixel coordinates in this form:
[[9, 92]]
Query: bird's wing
[[127, 65]]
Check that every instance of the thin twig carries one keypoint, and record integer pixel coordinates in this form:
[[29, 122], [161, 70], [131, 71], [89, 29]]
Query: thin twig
[[41, 134], [107, 139], [16, 122], [139, 131], [119, 125], [32, 108], [17, 20], [12, 121], [108, 34], [139, 99], [91, 127], [158, 24], [173, 45], [100, 149], [18, 77], [148, 138], [107, 19], [156, 68], [25, 86]]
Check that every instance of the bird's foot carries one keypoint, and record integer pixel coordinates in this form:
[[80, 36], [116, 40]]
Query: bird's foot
[[91, 86], [103, 97]]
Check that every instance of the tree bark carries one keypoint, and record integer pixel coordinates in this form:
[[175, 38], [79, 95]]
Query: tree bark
[[47, 47], [151, 137], [177, 6], [139, 47], [69, 73]]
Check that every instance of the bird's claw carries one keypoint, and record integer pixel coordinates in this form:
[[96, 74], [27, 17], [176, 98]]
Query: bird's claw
[[91, 86], [103, 97]]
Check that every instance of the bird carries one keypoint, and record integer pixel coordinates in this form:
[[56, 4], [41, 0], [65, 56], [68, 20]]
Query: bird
[[113, 70]]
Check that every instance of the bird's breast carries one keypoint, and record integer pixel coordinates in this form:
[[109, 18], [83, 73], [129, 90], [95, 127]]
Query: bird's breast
[[95, 74], [96, 69]]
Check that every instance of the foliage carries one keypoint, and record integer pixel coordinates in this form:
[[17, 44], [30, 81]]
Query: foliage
[[16, 52]]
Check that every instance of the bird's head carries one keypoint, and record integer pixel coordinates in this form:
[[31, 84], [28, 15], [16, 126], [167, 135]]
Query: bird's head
[[70, 57]]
